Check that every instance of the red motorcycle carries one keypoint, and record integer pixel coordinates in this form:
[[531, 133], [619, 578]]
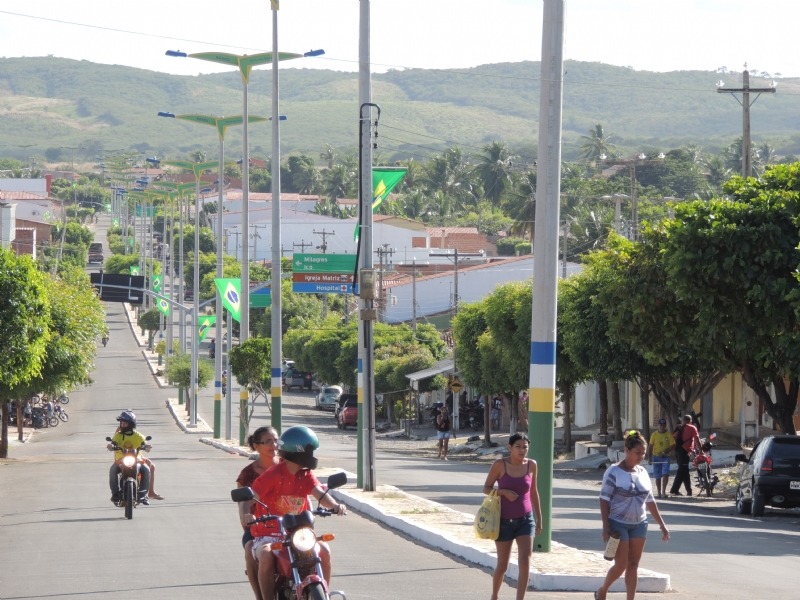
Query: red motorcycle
[[298, 570], [706, 479]]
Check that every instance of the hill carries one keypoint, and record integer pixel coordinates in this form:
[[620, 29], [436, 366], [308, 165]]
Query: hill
[[50, 103]]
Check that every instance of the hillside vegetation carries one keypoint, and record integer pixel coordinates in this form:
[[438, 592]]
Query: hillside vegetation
[[52, 102]]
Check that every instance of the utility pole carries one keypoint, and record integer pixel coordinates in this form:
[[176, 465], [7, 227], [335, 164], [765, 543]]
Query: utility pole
[[302, 245], [384, 250], [746, 103], [414, 295], [255, 235], [324, 245]]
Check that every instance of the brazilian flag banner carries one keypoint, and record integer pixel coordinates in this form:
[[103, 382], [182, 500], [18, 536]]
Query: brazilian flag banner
[[384, 179], [163, 306], [204, 325], [230, 290]]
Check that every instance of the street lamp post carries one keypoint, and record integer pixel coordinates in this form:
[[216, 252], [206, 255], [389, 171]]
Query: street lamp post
[[221, 124], [245, 64], [197, 169]]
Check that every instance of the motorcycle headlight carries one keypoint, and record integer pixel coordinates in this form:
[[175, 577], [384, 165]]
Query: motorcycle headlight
[[304, 539], [128, 460]]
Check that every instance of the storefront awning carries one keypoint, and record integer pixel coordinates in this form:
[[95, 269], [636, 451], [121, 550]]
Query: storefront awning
[[443, 366]]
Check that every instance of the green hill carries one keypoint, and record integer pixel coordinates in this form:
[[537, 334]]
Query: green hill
[[47, 103]]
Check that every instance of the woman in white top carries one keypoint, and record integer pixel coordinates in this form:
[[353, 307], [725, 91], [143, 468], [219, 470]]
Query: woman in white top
[[625, 494]]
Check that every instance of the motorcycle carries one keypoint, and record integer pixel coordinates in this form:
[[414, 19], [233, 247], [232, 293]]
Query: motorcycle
[[104, 340], [60, 412], [129, 474], [475, 416], [706, 478], [298, 570], [433, 412]]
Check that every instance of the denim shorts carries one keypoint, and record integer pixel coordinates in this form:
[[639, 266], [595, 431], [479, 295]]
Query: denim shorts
[[443, 435], [511, 529], [627, 531], [660, 467]]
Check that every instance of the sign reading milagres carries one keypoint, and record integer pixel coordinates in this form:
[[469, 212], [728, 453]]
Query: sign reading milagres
[[324, 263]]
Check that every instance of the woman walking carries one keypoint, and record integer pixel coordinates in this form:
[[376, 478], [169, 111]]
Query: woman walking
[[519, 502], [625, 494], [264, 441]]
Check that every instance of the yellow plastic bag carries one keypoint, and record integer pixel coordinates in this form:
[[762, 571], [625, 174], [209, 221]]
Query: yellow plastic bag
[[487, 521]]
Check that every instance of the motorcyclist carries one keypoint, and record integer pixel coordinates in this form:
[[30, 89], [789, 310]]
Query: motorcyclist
[[126, 436], [284, 488]]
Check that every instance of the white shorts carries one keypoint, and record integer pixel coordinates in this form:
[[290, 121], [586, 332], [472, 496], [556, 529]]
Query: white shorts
[[264, 541]]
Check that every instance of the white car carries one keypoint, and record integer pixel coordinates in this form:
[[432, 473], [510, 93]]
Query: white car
[[327, 397]]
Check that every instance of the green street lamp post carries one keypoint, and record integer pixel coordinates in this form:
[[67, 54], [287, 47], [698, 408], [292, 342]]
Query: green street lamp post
[[221, 124], [197, 169], [245, 64]]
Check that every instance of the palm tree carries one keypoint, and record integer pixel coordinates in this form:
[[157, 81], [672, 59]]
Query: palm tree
[[521, 205], [495, 172], [328, 155], [597, 144], [450, 175]]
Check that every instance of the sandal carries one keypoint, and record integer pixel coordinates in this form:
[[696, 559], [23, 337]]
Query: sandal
[[155, 496]]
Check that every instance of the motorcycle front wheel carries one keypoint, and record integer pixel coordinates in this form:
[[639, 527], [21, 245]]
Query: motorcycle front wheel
[[316, 591], [52, 421], [130, 498], [63, 416], [64, 399]]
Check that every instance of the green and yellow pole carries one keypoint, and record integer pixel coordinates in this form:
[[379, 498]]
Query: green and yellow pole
[[542, 392]]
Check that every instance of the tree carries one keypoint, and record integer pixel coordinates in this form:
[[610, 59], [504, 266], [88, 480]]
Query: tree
[[25, 314], [150, 322], [736, 262], [495, 172], [250, 363], [597, 144]]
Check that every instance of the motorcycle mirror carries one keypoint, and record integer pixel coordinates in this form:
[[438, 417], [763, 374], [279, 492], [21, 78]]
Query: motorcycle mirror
[[148, 438], [108, 439], [713, 436], [337, 480], [242, 494]]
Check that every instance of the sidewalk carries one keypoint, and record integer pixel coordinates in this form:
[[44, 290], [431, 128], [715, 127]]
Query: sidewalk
[[435, 525]]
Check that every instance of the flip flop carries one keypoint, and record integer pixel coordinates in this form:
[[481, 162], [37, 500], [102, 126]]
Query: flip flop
[[155, 496]]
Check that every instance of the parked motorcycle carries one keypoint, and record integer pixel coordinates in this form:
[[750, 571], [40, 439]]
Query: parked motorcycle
[[706, 478], [60, 412], [129, 475], [474, 416], [298, 570], [433, 412]]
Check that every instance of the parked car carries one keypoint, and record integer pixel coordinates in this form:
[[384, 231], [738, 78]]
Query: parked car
[[340, 402], [348, 411], [301, 380], [771, 476], [327, 397]]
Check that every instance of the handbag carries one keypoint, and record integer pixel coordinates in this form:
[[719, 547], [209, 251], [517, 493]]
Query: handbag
[[487, 521]]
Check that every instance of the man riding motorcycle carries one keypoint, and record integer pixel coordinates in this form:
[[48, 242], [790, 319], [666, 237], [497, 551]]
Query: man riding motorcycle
[[126, 436], [284, 488]]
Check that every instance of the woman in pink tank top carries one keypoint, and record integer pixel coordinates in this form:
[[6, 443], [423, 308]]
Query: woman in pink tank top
[[515, 477]]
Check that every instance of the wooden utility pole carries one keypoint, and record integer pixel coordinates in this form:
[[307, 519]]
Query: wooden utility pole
[[746, 103]]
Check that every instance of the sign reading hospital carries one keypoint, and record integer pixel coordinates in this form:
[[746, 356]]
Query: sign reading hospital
[[324, 263]]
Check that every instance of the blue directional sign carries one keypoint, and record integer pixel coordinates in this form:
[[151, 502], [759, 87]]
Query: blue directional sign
[[322, 288]]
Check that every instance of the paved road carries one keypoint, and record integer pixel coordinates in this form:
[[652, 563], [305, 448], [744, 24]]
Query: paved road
[[708, 537]]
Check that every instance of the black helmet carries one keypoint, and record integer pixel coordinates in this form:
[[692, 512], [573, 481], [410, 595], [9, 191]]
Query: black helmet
[[297, 445], [128, 416]]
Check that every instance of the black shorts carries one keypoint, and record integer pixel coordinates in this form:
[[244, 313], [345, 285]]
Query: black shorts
[[247, 537]]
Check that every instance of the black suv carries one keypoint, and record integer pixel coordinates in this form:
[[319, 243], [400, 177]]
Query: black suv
[[771, 476]]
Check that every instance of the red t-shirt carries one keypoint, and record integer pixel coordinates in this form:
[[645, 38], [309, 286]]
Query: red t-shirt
[[687, 436], [283, 493]]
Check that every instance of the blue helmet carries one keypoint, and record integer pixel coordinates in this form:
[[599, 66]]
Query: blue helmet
[[129, 417], [297, 445]]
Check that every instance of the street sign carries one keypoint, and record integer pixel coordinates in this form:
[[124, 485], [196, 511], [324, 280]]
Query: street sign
[[324, 263], [322, 288], [322, 278], [261, 298], [456, 385], [119, 288]]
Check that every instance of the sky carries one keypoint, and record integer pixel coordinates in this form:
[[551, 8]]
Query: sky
[[647, 35]]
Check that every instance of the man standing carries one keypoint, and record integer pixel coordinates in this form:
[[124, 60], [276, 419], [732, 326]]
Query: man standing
[[687, 440], [658, 451]]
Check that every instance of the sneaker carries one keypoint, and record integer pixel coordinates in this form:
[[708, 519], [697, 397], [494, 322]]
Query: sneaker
[[144, 500], [676, 494], [115, 498]]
